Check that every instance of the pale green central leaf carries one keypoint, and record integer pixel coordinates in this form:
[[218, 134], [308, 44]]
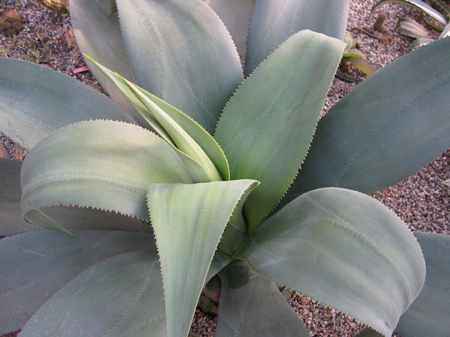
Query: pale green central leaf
[[188, 221], [179, 130]]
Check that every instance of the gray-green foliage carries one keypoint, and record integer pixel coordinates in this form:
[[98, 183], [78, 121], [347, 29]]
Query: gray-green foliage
[[266, 199]]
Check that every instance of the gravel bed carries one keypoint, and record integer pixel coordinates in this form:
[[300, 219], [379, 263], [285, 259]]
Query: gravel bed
[[422, 201]]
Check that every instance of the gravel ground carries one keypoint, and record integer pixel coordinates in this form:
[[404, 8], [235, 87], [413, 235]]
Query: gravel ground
[[422, 201]]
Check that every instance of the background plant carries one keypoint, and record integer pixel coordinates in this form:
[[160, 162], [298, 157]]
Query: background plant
[[410, 27], [116, 165], [354, 57]]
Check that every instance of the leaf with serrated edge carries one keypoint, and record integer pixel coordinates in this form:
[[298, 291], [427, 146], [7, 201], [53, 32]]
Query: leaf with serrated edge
[[400, 129], [68, 217], [39, 218], [97, 32], [188, 221], [282, 101], [121, 84], [343, 249], [429, 314], [236, 16], [197, 71], [198, 134], [273, 21], [175, 127], [36, 100], [236, 228], [252, 306], [42, 262], [220, 261], [99, 164], [105, 301]]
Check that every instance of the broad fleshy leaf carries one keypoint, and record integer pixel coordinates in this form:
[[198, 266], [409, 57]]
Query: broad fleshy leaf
[[188, 221], [99, 164], [282, 101], [36, 265], [273, 21], [252, 306], [96, 28], [416, 3], [197, 71], [36, 100], [430, 312], [10, 215], [343, 249], [120, 296], [72, 217], [175, 127], [368, 142], [236, 15]]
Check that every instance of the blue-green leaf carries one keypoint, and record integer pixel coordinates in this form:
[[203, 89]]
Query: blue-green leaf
[[97, 31], [386, 129], [190, 59], [429, 314], [10, 215], [252, 306], [273, 21], [36, 100], [236, 15], [343, 249], [36, 265], [120, 296]]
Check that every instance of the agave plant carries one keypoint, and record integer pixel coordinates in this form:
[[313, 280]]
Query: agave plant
[[162, 206]]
